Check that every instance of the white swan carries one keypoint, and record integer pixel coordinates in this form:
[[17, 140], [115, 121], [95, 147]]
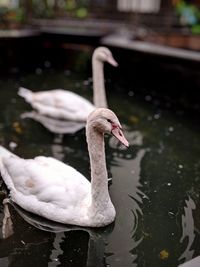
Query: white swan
[[62, 104], [58, 192]]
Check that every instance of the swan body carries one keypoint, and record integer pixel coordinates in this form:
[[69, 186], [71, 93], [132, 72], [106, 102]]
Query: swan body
[[56, 191], [62, 104], [58, 104]]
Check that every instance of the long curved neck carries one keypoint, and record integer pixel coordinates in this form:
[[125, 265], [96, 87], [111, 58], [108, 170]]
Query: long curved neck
[[99, 94], [99, 176]]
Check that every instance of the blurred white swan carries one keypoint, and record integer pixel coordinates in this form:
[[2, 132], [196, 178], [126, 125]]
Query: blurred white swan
[[56, 191], [54, 125], [62, 104]]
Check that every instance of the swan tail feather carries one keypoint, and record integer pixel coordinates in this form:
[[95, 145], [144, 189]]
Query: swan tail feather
[[4, 153], [26, 94]]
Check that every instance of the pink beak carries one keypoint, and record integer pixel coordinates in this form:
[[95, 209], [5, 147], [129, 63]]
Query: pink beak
[[112, 61], [116, 131]]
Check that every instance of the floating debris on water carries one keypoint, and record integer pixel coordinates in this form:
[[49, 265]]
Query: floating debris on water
[[164, 254], [17, 127], [134, 119]]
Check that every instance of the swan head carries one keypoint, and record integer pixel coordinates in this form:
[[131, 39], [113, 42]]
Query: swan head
[[103, 54], [105, 121]]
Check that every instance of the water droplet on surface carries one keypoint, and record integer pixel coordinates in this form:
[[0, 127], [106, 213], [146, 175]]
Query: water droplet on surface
[[67, 72], [149, 118], [171, 129], [131, 93], [47, 64], [38, 71], [77, 85], [148, 98], [86, 82], [157, 116]]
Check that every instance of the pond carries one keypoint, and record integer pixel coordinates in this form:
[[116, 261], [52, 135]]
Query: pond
[[155, 182]]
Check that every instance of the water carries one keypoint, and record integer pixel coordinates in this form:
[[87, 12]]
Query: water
[[155, 183]]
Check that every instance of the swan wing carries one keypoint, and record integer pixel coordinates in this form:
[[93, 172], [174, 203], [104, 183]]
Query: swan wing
[[62, 104], [45, 179]]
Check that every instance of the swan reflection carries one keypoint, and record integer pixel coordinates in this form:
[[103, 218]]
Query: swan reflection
[[188, 230], [63, 240], [128, 213], [55, 126], [92, 246]]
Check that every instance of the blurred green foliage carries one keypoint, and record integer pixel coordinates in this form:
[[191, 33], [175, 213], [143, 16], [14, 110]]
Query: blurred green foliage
[[189, 15], [72, 8], [11, 16], [42, 9], [77, 9]]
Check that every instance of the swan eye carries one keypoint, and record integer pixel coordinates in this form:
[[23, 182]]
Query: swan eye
[[108, 120]]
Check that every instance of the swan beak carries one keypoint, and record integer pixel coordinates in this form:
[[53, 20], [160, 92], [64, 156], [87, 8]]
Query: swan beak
[[112, 61], [116, 131]]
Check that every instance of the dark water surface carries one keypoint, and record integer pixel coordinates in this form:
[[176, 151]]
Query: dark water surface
[[155, 183]]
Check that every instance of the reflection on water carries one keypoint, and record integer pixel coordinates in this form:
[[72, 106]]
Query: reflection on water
[[155, 184], [91, 252], [129, 199], [188, 230], [55, 125], [7, 224]]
